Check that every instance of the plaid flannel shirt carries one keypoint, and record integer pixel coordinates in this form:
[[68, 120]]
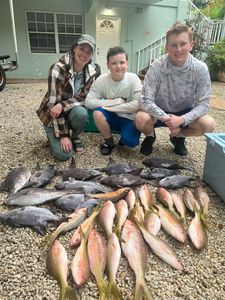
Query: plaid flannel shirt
[[61, 90]]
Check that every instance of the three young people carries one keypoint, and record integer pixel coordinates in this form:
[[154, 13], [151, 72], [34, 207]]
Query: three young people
[[175, 95]]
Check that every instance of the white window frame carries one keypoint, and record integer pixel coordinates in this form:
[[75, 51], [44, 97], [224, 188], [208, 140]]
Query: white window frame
[[55, 33]]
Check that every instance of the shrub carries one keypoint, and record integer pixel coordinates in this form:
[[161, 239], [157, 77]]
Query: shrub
[[216, 56], [200, 45], [214, 9]]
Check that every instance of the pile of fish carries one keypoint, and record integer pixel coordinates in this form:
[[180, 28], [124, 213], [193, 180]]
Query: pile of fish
[[109, 219], [77, 187], [129, 225]]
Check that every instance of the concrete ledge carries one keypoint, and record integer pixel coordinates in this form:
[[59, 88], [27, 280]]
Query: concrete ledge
[[15, 80]]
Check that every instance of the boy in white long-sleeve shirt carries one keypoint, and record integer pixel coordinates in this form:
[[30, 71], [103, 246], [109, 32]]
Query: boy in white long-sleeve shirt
[[114, 97], [176, 93]]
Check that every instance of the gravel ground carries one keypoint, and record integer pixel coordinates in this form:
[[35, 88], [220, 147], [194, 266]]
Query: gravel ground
[[23, 275]]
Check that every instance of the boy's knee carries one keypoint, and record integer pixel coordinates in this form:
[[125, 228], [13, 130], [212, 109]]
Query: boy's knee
[[143, 121], [212, 125], [97, 114], [208, 125]]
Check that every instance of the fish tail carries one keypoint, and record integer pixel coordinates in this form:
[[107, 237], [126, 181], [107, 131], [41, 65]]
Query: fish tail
[[142, 291], [48, 240], [102, 288], [204, 220], [117, 231], [172, 210], [184, 220], [67, 293], [2, 186], [113, 291]]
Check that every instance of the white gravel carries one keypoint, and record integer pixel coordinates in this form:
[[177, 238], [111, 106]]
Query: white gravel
[[23, 275]]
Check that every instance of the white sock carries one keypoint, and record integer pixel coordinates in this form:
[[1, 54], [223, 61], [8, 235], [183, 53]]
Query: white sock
[[151, 134]]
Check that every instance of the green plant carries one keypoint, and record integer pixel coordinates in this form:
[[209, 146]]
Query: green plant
[[200, 3], [215, 9], [216, 56], [199, 36]]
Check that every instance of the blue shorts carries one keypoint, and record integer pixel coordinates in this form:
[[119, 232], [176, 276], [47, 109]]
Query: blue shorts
[[178, 113], [129, 134]]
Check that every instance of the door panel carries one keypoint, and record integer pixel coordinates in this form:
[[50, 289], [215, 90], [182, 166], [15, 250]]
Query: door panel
[[107, 35]]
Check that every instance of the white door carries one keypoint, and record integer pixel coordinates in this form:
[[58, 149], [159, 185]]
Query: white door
[[107, 35]]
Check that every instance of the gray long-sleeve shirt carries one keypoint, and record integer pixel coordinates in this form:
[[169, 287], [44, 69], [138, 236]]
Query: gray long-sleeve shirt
[[170, 89]]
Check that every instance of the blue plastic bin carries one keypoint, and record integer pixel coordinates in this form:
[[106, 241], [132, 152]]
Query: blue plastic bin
[[214, 165]]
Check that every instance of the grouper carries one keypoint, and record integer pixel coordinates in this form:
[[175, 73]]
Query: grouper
[[30, 216], [176, 181], [41, 177], [122, 180], [80, 186], [162, 163], [114, 168], [34, 196], [15, 180]]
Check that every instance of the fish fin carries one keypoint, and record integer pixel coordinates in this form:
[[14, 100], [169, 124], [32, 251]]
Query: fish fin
[[88, 195], [40, 228], [142, 291], [153, 182], [50, 238], [111, 161], [3, 186], [196, 209], [60, 173], [97, 178], [84, 235], [113, 291], [98, 208], [67, 293], [87, 177], [172, 210], [29, 184], [73, 162], [136, 172]]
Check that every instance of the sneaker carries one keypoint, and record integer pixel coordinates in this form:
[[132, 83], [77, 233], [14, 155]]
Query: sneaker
[[146, 146], [179, 146], [120, 143], [106, 149]]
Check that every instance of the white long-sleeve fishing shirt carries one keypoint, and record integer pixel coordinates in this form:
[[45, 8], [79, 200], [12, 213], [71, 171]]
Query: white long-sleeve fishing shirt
[[121, 97], [170, 89]]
